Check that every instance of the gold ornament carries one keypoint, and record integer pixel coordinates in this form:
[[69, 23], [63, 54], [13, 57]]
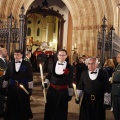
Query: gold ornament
[[1, 72]]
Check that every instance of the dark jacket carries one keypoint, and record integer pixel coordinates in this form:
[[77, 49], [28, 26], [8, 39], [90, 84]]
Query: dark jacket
[[18, 102], [116, 82]]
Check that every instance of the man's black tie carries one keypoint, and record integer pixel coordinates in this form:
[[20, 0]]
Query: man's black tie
[[18, 62], [93, 72], [60, 64]]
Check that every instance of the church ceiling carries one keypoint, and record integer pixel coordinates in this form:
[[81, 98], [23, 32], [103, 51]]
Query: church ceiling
[[83, 12], [86, 17]]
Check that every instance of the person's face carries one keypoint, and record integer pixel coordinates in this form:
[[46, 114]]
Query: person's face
[[92, 65], [4, 53], [62, 56], [118, 58], [81, 60], [29, 55], [17, 56]]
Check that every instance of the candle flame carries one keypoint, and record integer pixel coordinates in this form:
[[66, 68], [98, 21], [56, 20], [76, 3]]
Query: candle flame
[[74, 84], [21, 86], [24, 88], [75, 90]]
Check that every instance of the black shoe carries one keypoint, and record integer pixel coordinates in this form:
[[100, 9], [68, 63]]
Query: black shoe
[[1, 114]]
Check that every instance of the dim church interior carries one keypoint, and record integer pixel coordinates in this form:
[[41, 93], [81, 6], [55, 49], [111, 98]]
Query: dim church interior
[[73, 25]]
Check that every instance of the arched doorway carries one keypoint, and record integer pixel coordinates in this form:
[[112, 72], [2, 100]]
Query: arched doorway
[[48, 25]]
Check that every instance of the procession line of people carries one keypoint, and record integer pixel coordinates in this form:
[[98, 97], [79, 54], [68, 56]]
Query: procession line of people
[[93, 87]]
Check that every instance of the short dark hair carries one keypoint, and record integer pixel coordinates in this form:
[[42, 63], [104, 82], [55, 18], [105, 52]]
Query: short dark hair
[[18, 51], [1, 46], [83, 55], [62, 50]]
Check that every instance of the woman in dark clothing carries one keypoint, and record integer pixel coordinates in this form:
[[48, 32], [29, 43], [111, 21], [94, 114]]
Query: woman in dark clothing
[[109, 68]]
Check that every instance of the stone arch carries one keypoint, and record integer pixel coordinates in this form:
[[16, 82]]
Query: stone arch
[[82, 27]]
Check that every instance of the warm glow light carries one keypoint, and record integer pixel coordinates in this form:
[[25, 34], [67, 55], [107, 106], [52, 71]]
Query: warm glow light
[[27, 92], [75, 90], [54, 41], [41, 73], [72, 47], [55, 44], [51, 44], [75, 45], [24, 89], [74, 85]]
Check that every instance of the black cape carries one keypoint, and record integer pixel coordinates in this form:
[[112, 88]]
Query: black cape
[[18, 102], [56, 107], [93, 110]]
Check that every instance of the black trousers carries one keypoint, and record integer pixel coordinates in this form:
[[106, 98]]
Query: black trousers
[[116, 107], [2, 98], [1, 103]]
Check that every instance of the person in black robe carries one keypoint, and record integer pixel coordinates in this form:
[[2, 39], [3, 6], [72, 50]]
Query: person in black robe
[[60, 90], [93, 86], [109, 67], [19, 72]]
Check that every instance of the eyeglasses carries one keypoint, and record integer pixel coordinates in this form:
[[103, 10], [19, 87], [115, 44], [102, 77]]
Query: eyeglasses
[[62, 55]]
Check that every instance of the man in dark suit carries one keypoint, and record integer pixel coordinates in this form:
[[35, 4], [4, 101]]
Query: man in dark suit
[[116, 90], [3, 66], [94, 86], [19, 72]]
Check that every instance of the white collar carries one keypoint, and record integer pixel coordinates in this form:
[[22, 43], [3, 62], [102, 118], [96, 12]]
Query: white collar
[[59, 69], [93, 76]]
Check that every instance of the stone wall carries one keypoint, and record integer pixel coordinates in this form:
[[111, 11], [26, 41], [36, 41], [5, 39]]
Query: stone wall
[[86, 19]]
